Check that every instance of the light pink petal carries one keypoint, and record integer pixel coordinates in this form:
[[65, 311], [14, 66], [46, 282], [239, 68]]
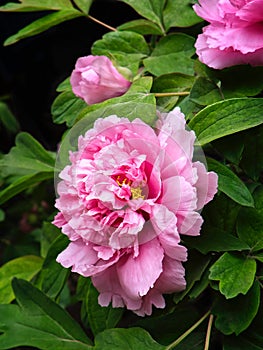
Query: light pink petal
[[172, 279], [138, 274], [252, 11], [206, 185], [189, 223], [208, 10], [154, 297]]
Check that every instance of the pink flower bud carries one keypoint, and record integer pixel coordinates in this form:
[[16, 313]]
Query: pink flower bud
[[95, 79]]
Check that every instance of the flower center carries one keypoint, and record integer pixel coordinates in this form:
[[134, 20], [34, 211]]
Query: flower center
[[136, 192]]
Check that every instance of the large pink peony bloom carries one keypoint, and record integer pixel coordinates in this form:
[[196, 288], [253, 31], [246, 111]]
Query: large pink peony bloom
[[234, 35], [95, 79], [124, 201]]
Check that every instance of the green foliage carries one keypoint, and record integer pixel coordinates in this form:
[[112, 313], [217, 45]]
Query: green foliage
[[7, 119]]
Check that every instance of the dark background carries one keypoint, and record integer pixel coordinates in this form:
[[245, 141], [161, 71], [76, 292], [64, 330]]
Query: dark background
[[31, 69]]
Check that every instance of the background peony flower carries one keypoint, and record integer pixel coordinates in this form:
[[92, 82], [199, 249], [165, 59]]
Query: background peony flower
[[125, 199], [95, 79], [234, 35]]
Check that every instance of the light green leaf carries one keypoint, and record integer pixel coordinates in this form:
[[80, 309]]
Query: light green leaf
[[84, 5], [128, 339], [141, 26], [38, 322], [42, 24], [100, 318], [226, 117], [25, 267], [230, 184], [27, 157], [150, 9], [173, 82], [7, 119], [179, 13], [235, 315], [235, 274], [172, 54], [124, 48], [36, 5]]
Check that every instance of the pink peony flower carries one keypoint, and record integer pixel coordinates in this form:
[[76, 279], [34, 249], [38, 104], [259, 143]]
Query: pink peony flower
[[234, 35], [125, 199], [95, 79]]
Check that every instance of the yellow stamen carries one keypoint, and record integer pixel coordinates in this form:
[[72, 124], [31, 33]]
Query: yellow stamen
[[136, 193]]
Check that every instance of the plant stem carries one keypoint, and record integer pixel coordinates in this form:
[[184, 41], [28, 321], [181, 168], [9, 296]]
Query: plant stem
[[165, 94], [190, 330], [208, 332], [102, 23]]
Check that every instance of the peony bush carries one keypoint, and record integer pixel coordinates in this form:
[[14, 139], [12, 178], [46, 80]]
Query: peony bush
[[142, 227]]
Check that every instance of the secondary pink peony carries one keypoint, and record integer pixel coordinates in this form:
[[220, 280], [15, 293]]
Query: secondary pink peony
[[95, 79], [234, 35], [124, 200]]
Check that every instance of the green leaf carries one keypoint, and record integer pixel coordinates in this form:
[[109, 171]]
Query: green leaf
[[231, 147], [226, 117], [235, 274], [2, 215], [214, 239], [241, 343], [36, 5], [27, 157], [100, 318], [205, 92], [42, 24], [250, 228], [38, 322], [84, 5], [179, 13], [25, 267], [172, 54], [7, 119], [66, 107], [195, 268], [230, 184], [235, 315], [173, 82], [124, 47], [49, 233], [150, 9], [141, 26], [128, 339], [53, 275], [64, 85], [22, 183]]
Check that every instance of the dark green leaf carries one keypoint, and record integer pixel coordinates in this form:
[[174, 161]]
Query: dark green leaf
[[128, 339], [194, 268], [231, 147], [235, 274], [38, 322], [230, 184], [100, 318], [22, 183], [172, 54], [25, 267], [226, 117], [141, 26], [53, 275], [205, 92], [7, 119], [150, 9], [241, 343], [42, 24], [179, 13], [213, 239], [124, 47], [49, 233], [250, 228], [36, 5], [66, 108], [235, 315]]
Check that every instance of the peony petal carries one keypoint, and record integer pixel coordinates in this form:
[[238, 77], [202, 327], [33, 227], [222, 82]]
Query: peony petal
[[138, 274]]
